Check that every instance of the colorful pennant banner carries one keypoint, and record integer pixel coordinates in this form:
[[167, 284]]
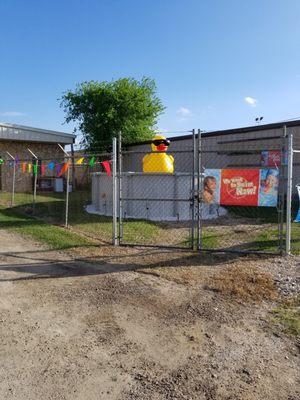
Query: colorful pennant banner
[[60, 168]]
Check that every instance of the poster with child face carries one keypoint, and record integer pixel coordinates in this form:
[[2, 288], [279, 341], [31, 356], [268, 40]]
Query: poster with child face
[[241, 187], [211, 186], [268, 188]]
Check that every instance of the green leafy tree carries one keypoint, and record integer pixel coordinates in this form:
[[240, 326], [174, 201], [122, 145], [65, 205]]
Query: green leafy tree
[[102, 109]]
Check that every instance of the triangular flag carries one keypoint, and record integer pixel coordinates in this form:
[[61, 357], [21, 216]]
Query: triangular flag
[[80, 161], [64, 168], [106, 166], [17, 160], [29, 168], [24, 165], [35, 169], [43, 169], [1, 161], [51, 165], [92, 161]]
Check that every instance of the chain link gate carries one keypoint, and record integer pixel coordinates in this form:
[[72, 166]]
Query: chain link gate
[[155, 209], [241, 228], [170, 210]]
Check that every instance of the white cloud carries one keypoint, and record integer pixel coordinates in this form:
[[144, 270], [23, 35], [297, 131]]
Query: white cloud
[[251, 101], [184, 112], [12, 114]]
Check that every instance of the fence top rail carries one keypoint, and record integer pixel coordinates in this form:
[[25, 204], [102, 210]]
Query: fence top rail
[[133, 173], [190, 150]]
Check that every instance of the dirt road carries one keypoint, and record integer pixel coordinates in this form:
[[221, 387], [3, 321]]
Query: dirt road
[[112, 329]]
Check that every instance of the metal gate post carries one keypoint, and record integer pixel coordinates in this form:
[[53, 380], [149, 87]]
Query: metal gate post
[[67, 195], [67, 186], [114, 208], [199, 190], [120, 188], [193, 192], [289, 194], [282, 192]]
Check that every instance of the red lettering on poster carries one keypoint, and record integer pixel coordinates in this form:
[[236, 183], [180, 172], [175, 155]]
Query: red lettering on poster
[[239, 187]]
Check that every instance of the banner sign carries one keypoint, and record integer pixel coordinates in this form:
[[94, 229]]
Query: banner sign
[[272, 158], [241, 187]]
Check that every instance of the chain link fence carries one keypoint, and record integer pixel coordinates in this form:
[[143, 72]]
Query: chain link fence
[[222, 196], [156, 209], [57, 191], [295, 195], [186, 208], [243, 194]]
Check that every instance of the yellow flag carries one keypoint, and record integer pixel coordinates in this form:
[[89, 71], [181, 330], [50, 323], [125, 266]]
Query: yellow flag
[[29, 167], [80, 161]]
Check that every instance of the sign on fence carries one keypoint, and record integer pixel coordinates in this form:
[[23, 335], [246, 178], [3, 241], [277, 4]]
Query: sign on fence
[[241, 187]]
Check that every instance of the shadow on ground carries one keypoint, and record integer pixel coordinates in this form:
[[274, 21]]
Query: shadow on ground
[[46, 264]]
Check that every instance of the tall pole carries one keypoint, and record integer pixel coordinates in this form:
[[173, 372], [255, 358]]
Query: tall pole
[[73, 167], [289, 194], [199, 191], [119, 187], [282, 191], [67, 195], [12, 201], [68, 186], [193, 191], [35, 179], [114, 177]]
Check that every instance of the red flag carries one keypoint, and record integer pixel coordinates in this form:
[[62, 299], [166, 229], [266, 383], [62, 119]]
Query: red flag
[[106, 166], [43, 169]]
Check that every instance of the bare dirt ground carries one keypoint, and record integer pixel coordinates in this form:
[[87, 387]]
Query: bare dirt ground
[[140, 324]]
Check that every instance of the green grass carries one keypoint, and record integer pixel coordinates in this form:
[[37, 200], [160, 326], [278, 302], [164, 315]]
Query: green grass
[[140, 231], [288, 316], [267, 240], [50, 208], [54, 236], [295, 241]]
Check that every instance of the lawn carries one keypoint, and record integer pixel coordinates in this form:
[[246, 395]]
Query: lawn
[[50, 210], [54, 236], [288, 316], [50, 213]]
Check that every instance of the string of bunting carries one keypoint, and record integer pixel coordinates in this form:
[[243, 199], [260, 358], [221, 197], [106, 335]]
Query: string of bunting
[[57, 167]]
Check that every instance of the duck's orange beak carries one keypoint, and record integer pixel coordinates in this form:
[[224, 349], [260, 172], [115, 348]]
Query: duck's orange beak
[[162, 147]]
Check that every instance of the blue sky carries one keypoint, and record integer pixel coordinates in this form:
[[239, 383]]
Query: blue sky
[[206, 56]]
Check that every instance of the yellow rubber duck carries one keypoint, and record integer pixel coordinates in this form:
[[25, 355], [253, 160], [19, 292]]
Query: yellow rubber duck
[[158, 160]]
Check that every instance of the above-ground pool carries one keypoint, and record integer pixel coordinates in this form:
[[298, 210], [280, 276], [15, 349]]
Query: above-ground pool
[[155, 197]]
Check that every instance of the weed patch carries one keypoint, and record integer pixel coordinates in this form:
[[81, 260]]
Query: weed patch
[[249, 283]]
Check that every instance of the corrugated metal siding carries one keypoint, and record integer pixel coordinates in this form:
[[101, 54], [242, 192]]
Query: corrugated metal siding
[[236, 150], [26, 134]]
